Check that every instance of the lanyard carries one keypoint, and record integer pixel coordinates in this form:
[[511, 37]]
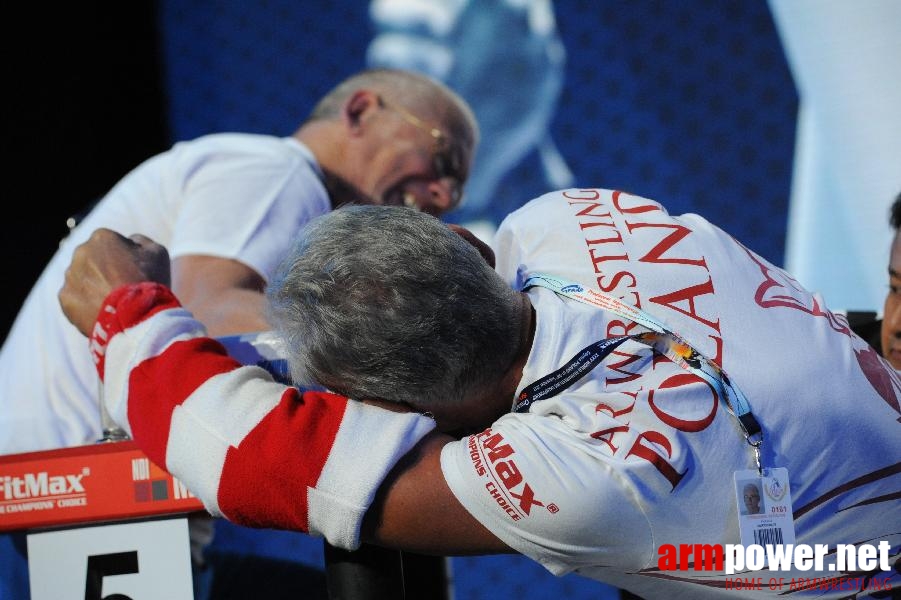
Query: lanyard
[[660, 337]]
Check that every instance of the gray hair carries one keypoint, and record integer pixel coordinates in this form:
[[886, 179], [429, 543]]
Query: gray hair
[[388, 303]]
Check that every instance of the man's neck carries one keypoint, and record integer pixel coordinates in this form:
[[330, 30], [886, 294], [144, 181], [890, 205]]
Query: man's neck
[[496, 400], [513, 375], [323, 139], [340, 192]]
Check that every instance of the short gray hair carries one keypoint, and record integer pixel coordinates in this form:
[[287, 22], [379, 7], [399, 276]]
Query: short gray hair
[[379, 302]]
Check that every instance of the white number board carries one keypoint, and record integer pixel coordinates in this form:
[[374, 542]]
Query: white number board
[[144, 560]]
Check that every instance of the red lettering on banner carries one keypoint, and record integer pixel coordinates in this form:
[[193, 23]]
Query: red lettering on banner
[[679, 380], [688, 295], [649, 454], [655, 254], [619, 198]]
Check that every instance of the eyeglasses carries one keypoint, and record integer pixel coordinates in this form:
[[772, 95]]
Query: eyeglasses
[[447, 162]]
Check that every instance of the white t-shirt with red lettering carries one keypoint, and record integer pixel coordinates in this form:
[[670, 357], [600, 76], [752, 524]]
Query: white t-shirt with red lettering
[[640, 452]]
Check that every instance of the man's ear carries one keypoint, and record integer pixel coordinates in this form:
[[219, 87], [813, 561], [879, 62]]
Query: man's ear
[[483, 248], [357, 108]]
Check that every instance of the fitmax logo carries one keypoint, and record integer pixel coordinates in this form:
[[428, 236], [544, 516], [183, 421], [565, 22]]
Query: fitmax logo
[[37, 485], [500, 455]]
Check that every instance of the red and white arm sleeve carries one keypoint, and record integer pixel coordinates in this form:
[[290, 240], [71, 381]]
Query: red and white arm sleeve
[[257, 452]]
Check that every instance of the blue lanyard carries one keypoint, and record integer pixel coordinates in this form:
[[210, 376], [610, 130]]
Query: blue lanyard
[[660, 337]]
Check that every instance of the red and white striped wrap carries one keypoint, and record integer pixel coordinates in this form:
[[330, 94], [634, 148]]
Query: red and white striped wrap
[[255, 451]]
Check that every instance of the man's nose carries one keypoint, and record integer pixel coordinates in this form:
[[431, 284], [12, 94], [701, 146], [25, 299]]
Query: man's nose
[[437, 197]]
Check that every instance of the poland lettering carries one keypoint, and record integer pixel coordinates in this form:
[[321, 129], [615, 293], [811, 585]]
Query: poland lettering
[[623, 235]]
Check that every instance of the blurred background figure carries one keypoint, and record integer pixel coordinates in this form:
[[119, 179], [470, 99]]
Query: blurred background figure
[[890, 331], [883, 330], [505, 58], [848, 148]]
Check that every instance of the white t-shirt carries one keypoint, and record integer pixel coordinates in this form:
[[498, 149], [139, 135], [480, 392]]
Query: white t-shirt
[[237, 196], [639, 452]]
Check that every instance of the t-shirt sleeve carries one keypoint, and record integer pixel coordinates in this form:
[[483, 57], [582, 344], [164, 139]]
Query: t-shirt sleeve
[[538, 487], [247, 206]]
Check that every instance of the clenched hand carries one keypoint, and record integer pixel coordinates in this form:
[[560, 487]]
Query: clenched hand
[[106, 261]]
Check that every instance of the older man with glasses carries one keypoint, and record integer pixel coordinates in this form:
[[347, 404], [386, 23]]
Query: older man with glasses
[[449, 161], [228, 206]]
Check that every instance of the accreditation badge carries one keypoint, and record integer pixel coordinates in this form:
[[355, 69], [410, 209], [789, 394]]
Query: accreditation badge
[[764, 507]]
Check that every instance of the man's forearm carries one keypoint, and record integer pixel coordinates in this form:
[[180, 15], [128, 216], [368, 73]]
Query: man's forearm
[[254, 451]]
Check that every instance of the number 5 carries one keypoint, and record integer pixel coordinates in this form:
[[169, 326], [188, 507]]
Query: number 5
[[101, 565]]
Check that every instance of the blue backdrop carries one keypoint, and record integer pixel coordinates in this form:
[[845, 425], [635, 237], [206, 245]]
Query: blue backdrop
[[690, 103]]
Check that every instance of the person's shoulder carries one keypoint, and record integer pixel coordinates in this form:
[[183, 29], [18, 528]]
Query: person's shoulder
[[585, 203], [241, 146], [228, 139]]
